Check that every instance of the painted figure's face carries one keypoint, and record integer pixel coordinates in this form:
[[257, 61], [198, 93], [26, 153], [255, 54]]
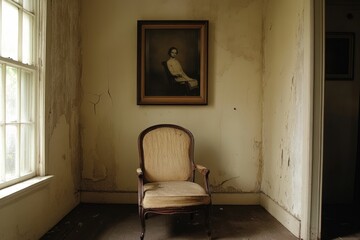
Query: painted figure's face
[[173, 52]]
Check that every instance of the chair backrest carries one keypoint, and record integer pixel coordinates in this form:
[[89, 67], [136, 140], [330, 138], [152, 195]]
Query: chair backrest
[[166, 153]]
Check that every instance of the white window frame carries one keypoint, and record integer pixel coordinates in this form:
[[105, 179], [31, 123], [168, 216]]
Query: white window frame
[[38, 68]]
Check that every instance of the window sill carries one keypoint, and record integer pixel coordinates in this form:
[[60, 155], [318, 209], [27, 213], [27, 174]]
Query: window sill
[[8, 194]]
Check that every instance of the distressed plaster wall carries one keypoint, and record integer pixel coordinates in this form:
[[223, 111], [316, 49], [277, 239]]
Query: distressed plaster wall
[[63, 91], [255, 133], [285, 103], [30, 215], [227, 131]]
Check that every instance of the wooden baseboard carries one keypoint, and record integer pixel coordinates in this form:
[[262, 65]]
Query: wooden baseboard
[[109, 197], [236, 198], [283, 216], [131, 198]]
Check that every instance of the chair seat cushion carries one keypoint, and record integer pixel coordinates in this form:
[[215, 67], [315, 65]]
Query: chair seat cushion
[[174, 194]]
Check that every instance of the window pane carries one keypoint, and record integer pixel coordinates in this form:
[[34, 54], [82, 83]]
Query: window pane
[[27, 39], [10, 31], [27, 156], [11, 154], [12, 103], [29, 5], [27, 97]]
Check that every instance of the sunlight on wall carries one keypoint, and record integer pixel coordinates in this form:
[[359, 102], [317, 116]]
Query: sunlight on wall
[[227, 131]]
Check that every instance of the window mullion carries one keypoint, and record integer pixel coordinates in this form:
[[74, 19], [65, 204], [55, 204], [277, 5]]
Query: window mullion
[[18, 126], [20, 36], [1, 3], [17, 153], [3, 89], [3, 125]]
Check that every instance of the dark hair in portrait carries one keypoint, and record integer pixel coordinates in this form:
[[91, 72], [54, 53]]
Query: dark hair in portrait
[[172, 48]]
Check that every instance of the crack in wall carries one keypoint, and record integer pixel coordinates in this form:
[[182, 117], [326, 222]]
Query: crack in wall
[[220, 187], [99, 96], [96, 102]]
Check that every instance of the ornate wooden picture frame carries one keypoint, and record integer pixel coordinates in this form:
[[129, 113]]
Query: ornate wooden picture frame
[[172, 62]]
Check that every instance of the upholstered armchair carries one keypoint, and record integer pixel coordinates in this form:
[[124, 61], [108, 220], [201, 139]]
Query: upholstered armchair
[[166, 177]]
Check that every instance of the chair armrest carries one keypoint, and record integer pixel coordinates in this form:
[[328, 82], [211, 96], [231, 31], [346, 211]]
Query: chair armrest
[[205, 172], [140, 185], [139, 172]]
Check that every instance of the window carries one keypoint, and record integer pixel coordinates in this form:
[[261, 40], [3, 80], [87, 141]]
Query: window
[[21, 91]]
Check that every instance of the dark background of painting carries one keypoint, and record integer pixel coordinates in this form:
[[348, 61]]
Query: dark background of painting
[[158, 42]]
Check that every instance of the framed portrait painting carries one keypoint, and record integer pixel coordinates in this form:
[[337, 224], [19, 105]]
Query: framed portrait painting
[[172, 62]]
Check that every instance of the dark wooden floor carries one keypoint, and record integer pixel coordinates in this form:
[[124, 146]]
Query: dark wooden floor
[[340, 222], [110, 221]]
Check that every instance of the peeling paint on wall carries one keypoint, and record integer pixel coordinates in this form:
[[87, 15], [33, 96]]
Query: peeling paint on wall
[[99, 166], [63, 70], [48, 204], [283, 127]]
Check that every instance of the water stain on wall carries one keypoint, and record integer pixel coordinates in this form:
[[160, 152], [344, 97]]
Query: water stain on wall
[[258, 147], [63, 72]]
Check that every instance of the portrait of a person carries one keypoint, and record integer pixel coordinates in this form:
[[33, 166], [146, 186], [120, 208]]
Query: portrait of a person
[[172, 62], [177, 71]]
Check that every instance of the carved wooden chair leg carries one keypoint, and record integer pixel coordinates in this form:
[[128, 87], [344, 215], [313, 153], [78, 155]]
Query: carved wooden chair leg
[[207, 221], [142, 219]]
